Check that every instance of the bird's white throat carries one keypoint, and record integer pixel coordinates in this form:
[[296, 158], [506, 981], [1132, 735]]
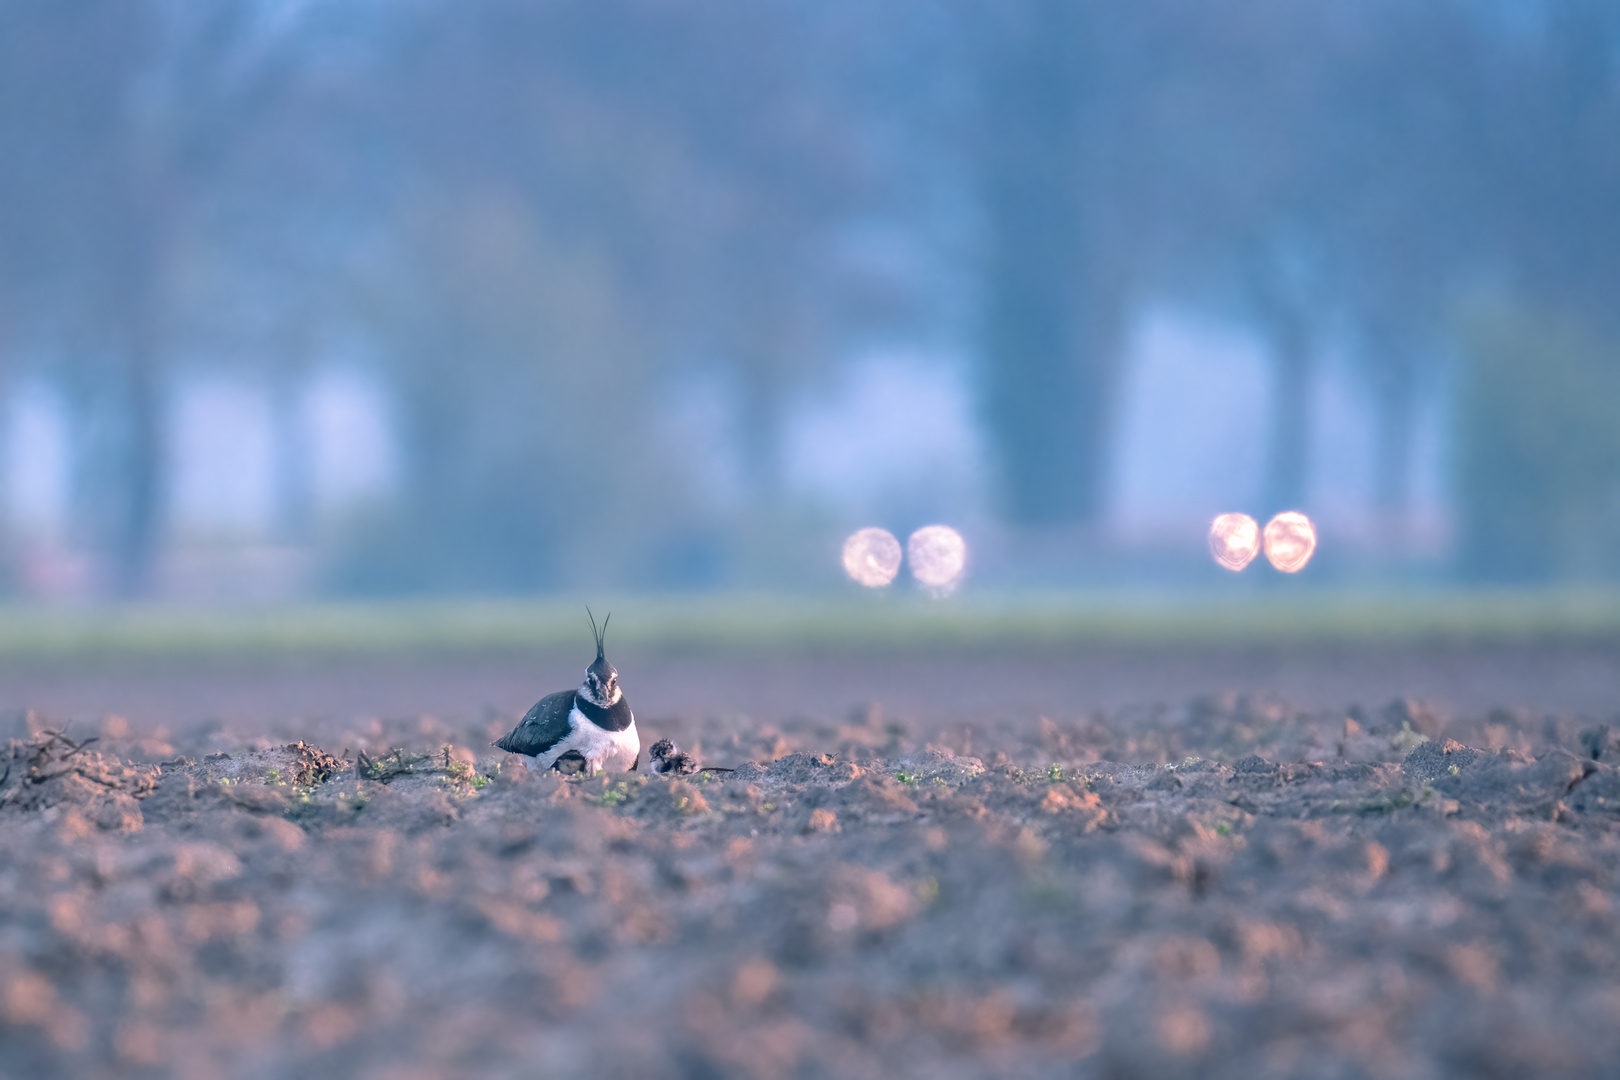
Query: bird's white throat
[[589, 693]]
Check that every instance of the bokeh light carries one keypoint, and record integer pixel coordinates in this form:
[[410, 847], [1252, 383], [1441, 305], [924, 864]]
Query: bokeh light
[[1290, 541], [1234, 540], [938, 556], [872, 557]]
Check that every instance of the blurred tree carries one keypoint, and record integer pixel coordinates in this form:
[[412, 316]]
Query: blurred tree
[[85, 215], [1402, 102], [1287, 302], [1538, 415], [1544, 157], [1538, 442], [598, 194], [1310, 178], [1052, 300], [130, 113]]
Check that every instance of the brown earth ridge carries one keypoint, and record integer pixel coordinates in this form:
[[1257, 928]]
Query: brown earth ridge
[[1233, 889]]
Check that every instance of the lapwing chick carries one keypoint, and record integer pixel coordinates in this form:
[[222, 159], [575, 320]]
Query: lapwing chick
[[671, 760], [585, 730], [666, 757]]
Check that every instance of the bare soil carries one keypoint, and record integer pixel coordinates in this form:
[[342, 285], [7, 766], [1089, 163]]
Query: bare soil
[[996, 867]]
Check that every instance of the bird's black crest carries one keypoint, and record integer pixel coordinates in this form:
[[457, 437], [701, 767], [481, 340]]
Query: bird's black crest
[[601, 635]]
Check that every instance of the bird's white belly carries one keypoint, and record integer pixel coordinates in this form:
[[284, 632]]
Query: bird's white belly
[[614, 751]]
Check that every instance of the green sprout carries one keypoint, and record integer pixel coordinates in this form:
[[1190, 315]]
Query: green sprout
[[1055, 773], [1406, 738]]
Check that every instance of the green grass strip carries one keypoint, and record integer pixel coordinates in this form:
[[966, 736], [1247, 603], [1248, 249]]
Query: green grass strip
[[897, 622]]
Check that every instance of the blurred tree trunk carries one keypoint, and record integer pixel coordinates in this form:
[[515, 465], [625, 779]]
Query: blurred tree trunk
[[8, 529], [118, 393], [1392, 371], [1397, 438], [1537, 449], [1288, 444], [1048, 323], [115, 419], [137, 517], [1283, 287], [1288, 460], [758, 341], [131, 469], [293, 457]]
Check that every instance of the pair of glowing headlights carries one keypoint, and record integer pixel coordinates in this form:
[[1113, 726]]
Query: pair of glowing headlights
[[937, 553], [1289, 539]]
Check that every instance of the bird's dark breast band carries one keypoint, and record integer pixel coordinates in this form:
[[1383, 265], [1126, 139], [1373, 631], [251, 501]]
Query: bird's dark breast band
[[615, 717]]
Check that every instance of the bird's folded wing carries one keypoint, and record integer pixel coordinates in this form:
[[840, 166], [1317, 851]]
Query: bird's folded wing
[[544, 727]]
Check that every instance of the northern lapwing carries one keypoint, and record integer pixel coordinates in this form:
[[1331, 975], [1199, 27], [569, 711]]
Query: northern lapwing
[[585, 730]]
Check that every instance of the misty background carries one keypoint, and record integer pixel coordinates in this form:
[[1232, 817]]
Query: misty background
[[349, 297]]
